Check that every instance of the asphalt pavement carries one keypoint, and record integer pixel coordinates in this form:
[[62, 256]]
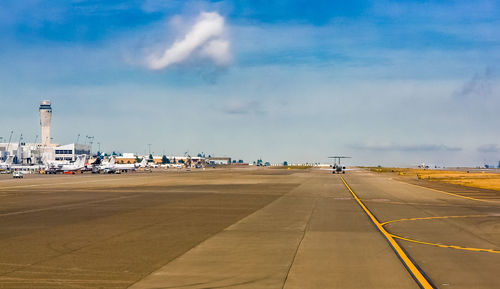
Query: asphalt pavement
[[262, 228]]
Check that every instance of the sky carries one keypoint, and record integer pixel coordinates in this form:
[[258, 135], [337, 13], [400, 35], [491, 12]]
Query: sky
[[394, 83]]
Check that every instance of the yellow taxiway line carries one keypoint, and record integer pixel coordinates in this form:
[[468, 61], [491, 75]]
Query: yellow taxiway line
[[448, 193], [436, 217], [442, 245], [446, 246], [412, 268]]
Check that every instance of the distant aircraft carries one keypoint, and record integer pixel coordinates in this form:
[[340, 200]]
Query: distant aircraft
[[166, 166], [107, 166], [51, 167], [112, 167], [78, 165], [26, 169], [423, 166], [337, 167], [128, 167], [7, 164]]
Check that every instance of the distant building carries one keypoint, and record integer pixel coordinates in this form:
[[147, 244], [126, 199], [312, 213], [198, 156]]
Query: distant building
[[126, 158], [45, 118], [219, 160], [69, 152], [25, 153], [36, 153]]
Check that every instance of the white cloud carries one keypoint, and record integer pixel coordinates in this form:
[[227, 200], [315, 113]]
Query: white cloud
[[206, 39], [218, 51]]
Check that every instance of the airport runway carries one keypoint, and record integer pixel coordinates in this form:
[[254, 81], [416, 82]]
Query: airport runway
[[262, 228]]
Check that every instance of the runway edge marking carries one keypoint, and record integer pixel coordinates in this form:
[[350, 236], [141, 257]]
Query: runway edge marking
[[415, 272]]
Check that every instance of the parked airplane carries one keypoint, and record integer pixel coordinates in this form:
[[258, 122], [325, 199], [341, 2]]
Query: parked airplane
[[106, 166], [27, 169], [91, 167], [23, 169], [166, 166], [78, 165], [7, 164], [129, 167], [112, 167]]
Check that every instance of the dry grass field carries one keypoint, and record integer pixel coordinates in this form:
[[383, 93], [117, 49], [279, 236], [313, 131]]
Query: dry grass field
[[475, 179]]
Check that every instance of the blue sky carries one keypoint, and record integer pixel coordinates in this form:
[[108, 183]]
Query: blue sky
[[387, 82]]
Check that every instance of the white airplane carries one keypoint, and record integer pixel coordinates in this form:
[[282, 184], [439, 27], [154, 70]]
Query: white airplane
[[128, 167], [27, 169], [112, 167], [24, 169], [107, 166], [78, 165], [7, 164], [166, 166]]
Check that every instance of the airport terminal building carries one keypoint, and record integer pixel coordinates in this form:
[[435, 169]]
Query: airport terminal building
[[69, 152], [36, 153]]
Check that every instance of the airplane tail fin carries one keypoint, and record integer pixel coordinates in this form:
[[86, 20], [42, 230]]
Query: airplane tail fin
[[97, 161], [112, 160], [9, 160], [144, 162], [45, 159], [80, 161]]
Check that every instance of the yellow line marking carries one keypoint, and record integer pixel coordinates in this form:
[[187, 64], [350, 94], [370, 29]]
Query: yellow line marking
[[437, 244], [432, 218], [446, 246], [423, 283], [451, 194]]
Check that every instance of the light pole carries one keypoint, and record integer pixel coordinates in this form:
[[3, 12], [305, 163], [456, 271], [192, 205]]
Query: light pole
[[10, 138], [90, 140]]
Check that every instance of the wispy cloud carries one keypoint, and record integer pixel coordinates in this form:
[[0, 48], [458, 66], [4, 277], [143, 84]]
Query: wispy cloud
[[206, 39], [489, 148], [243, 107], [407, 148], [480, 85]]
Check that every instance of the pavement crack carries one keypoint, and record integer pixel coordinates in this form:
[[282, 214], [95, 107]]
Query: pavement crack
[[306, 228]]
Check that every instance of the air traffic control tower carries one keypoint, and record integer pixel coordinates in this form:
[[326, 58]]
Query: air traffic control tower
[[45, 117]]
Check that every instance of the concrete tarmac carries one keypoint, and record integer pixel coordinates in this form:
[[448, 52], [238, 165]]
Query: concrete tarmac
[[261, 228], [454, 238]]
